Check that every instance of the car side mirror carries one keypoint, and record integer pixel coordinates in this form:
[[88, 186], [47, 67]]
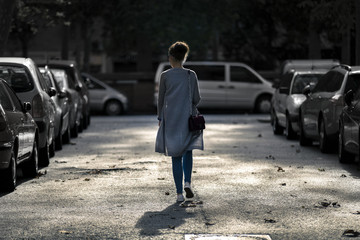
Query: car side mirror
[[62, 94], [284, 90], [27, 106], [349, 97], [307, 90], [78, 88], [52, 92]]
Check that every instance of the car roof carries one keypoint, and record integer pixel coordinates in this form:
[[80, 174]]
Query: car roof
[[320, 71], [68, 63], [16, 60], [308, 64]]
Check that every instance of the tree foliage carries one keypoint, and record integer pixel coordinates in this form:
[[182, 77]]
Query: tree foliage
[[259, 32]]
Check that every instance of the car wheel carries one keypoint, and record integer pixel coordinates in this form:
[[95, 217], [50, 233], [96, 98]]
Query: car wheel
[[81, 125], [85, 122], [66, 136], [10, 174], [344, 156], [113, 108], [277, 129], [52, 149], [303, 140], [59, 140], [263, 104], [289, 132], [31, 168], [45, 155], [324, 139], [74, 131]]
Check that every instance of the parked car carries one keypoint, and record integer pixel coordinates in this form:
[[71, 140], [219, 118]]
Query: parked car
[[307, 64], [349, 126], [104, 98], [68, 85], [73, 74], [227, 85], [288, 98], [319, 113], [62, 126], [18, 138], [24, 77]]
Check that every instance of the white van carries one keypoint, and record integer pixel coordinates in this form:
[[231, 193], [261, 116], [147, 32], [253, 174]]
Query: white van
[[227, 85]]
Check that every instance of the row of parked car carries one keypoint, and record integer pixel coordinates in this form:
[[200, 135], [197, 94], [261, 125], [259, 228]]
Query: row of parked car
[[319, 101], [42, 106]]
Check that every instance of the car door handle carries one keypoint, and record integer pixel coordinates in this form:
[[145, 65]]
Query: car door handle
[[231, 87], [221, 86]]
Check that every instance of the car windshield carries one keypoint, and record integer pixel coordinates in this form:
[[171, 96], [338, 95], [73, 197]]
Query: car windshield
[[17, 77], [302, 80]]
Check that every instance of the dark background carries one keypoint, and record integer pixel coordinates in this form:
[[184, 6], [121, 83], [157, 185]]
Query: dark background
[[121, 40]]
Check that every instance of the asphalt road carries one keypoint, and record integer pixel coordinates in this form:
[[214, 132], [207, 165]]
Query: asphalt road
[[248, 184]]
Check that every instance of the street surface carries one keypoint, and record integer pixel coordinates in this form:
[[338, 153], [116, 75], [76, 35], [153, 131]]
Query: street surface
[[110, 184]]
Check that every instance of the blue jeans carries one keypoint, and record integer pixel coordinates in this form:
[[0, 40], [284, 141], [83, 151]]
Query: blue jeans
[[180, 165]]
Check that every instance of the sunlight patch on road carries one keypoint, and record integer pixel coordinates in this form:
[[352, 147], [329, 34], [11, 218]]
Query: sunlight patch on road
[[226, 237]]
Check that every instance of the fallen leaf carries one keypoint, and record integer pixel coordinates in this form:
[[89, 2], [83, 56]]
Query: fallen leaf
[[343, 176], [269, 220], [60, 161], [283, 184], [270, 157], [209, 223], [167, 193], [161, 179], [65, 232], [259, 135], [171, 226], [280, 169], [321, 169], [41, 174], [87, 179], [351, 233]]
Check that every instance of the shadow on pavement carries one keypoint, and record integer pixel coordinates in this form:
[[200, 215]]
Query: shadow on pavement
[[151, 223]]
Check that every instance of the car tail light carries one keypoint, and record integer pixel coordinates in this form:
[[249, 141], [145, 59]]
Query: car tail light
[[37, 107], [336, 98]]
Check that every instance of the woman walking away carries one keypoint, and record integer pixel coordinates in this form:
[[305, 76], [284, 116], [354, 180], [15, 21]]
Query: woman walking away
[[178, 97]]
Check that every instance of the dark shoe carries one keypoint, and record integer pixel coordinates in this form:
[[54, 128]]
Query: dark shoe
[[189, 192]]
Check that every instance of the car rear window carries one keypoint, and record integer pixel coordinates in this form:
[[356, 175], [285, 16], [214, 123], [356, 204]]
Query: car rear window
[[62, 78], [17, 77], [302, 80]]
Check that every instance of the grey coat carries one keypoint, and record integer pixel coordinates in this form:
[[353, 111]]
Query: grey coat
[[174, 109]]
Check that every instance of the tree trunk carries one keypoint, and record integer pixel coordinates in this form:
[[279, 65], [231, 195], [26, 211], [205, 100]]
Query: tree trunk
[[215, 48], [87, 45], [6, 12], [144, 55], [314, 44], [345, 47], [357, 30], [65, 43]]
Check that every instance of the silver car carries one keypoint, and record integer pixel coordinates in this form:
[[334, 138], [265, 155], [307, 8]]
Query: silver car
[[320, 112], [287, 99], [104, 98], [24, 77], [227, 85], [61, 100]]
